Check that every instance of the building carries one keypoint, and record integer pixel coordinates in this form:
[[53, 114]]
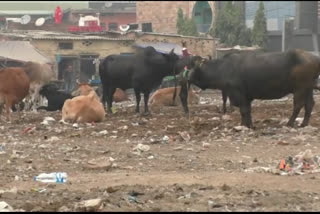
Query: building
[[111, 15], [275, 12], [163, 14], [35, 9], [82, 51], [305, 16]]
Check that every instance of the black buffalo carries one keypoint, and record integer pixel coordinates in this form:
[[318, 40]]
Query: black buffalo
[[143, 72], [55, 97], [248, 76]]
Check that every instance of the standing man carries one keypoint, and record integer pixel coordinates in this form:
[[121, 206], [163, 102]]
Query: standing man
[[68, 76], [185, 52]]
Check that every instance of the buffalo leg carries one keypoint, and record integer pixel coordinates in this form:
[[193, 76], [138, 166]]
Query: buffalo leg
[[308, 106], [298, 102], [184, 97], [224, 99], [110, 99], [146, 100], [245, 111], [104, 95], [138, 98]]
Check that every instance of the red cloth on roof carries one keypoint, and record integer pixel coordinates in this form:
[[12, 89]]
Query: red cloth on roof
[[58, 15]]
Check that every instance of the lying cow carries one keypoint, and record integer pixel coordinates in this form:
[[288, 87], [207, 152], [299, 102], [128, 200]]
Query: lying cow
[[163, 97], [120, 96], [84, 108], [249, 76], [55, 97]]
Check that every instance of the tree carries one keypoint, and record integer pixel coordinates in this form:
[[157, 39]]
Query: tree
[[180, 21], [259, 31], [185, 26], [229, 26]]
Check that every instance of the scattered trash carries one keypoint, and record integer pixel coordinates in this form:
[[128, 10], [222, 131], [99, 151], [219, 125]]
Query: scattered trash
[[226, 117], [214, 119], [303, 163], [38, 190], [283, 143], [132, 199], [114, 110], [28, 130], [53, 138], [55, 177], [14, 190], [47, 120], [75, 125], [104, 132], [141, 148], [185, 135], [123, 128], [240, 128], [205, 145], [151, 157], [2, 149], [165, 138]]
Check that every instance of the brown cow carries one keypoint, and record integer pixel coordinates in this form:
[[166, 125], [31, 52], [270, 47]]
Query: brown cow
[[120, 96], [14, 86], [163, 97], [84, 108]]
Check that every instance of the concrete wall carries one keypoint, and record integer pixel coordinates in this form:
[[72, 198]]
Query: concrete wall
[[301, 39], [102, 48], [196, 45]]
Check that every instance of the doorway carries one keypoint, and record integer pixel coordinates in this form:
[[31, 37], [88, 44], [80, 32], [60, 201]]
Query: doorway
[[87, 67]]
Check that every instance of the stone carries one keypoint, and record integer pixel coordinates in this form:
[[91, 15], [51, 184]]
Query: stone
[[91, 205], [4, 207], [102, 164]]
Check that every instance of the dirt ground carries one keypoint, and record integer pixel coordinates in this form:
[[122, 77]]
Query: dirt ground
[[208, 172]]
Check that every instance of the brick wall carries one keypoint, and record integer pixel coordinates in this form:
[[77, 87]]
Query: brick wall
[[163, 14]]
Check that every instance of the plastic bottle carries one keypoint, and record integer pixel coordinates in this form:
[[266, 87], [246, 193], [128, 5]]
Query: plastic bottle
[[55, 177]]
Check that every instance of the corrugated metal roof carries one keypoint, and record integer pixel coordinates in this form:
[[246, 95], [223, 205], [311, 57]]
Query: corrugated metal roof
[[45, 35], [21, 51], [80, 38], [174, 35]]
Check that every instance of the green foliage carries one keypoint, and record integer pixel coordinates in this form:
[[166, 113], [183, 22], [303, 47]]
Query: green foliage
[[180, 21], [229, 26], [185, 26], [259, 31]]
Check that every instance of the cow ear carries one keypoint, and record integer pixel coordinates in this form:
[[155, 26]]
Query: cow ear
[[172, 51]]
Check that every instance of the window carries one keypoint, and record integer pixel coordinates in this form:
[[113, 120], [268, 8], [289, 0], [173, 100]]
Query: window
[[65, 45], [113, 26]]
